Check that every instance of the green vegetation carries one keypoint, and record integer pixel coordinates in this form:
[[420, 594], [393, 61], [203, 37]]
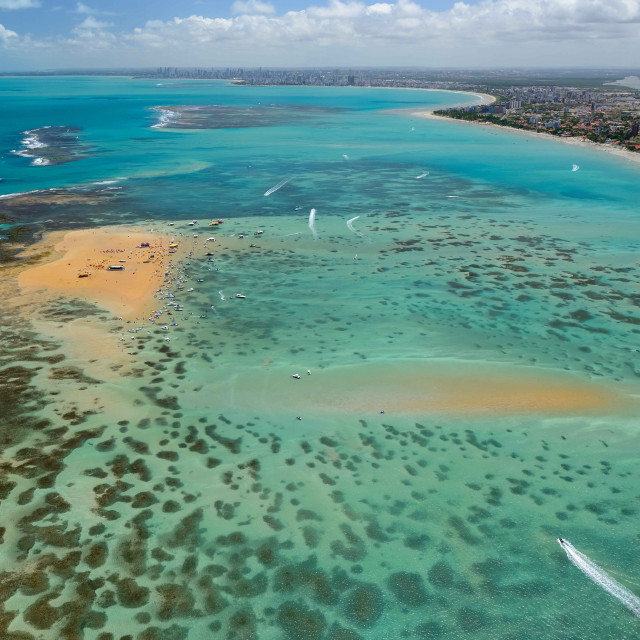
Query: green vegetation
[[614, 125]]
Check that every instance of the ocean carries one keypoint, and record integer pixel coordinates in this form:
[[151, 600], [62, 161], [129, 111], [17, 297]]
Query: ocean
[[459, 302]]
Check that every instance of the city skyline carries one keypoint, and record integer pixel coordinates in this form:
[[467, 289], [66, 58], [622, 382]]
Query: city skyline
[[37, 34]]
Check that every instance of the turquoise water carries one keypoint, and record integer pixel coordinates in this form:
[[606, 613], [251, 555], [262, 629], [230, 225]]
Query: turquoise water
[[170, 492]]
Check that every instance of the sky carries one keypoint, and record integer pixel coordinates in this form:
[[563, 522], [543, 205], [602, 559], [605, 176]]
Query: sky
[[58, 34]]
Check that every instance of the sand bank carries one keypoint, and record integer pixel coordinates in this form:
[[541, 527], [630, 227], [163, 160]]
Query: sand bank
[[127, 293], [432, 387]]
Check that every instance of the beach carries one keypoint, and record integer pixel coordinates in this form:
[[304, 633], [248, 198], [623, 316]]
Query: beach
[[580, 142]]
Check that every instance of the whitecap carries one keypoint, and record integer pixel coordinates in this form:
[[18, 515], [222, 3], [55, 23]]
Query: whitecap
[[7, 196]]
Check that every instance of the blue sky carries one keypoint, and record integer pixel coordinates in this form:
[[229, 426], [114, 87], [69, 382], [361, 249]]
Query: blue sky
[[59, 16], [37, 34]]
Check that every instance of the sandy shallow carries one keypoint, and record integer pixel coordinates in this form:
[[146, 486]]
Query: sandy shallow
[[420, 386], [127, 293], [425, 387]]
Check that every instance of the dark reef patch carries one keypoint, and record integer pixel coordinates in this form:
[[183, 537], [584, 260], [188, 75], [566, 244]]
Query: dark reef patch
[[363, 605], [408, 588]]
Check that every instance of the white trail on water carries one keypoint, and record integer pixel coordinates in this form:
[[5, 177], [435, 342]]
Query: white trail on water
[[597, 575], [350, 226], [422, 175], [312, 223], [575, 167], [268, 192]]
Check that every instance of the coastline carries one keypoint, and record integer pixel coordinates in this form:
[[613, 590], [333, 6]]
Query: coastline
[[580, 142]]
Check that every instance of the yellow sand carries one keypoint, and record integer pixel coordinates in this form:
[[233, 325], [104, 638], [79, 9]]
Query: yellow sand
[[428, 387], [127, 293], [407, 386]]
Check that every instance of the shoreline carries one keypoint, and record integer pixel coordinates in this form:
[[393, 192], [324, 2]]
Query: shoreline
[[576, 141]]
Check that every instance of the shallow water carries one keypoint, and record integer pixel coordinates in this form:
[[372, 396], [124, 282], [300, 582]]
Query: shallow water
[[171, 492]]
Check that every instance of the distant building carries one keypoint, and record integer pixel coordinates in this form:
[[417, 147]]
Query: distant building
[[635, 127]]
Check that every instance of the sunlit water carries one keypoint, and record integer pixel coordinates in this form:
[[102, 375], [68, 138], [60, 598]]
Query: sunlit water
[[176, 494]]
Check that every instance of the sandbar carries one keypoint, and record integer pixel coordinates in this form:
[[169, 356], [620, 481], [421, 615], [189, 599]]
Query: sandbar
[[432, 387], [127, 293]]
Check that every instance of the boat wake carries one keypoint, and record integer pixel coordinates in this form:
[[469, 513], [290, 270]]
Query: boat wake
[[287, 235], [350, 227], [312, 223], [221, 296], [422, 175], [280, 184], [575, 167], [597, 575]]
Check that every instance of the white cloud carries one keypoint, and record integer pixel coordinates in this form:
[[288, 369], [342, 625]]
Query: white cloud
[[381, 8], [6, 35], [84, 9], [92, 23], [19, 4], [353, 22], [352, 32], [252, 7]]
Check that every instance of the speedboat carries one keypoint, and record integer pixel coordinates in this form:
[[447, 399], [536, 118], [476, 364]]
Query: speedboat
[[239, 295]]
